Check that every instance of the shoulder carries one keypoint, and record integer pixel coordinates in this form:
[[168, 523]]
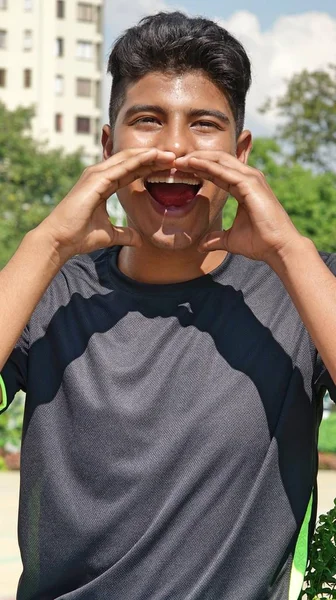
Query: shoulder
[[83, 275], [83, 269]]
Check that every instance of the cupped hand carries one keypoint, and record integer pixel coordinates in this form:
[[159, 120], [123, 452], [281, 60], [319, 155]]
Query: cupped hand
[[80, 224], [262, 229]]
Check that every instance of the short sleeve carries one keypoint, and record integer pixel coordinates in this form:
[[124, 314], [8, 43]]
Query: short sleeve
[[13, 376], [321, 374]]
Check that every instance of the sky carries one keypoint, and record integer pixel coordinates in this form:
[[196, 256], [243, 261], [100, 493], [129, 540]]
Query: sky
[[281, 39]]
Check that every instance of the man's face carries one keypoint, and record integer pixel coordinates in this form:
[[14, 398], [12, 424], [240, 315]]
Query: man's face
[[173, 129]]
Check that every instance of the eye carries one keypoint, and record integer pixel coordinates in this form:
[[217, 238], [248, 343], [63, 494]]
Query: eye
[[207, 124], [146, 120]]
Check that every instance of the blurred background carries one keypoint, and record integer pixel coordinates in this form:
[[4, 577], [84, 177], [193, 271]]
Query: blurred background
[[54, 97]]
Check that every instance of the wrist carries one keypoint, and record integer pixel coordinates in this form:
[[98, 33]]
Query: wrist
[[46, 243], [293, 254]]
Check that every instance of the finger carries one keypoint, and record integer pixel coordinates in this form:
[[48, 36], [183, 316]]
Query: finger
[[116, 158], [108, 181], [223, 177], [214, 155], [216, 240], [124, 155], [217, 156], [141, 166], [133, 152], [125, 236]]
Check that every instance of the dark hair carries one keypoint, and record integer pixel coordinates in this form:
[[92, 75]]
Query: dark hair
[[175, 43]]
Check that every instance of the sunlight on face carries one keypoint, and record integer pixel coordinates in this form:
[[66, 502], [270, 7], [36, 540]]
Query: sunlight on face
[[167, 124]]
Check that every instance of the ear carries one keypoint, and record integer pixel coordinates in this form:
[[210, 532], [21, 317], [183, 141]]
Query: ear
[[107, 141], [244, 146]]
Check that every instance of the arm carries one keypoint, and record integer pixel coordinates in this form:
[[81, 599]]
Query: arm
[[79, 224], [23, 282], [262, 230], [312, 288]]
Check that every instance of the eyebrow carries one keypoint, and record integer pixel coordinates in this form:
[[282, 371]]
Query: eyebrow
[[194, 112]]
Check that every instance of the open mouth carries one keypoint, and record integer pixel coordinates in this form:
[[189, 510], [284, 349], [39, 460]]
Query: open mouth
[[172, 192]]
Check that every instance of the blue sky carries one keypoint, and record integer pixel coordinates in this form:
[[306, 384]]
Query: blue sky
[[267, 12]]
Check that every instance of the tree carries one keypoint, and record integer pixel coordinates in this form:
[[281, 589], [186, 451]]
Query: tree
[[33, 179], [309, 198], [308, 113]]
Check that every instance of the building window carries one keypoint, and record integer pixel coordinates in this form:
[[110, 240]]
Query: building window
[[84, 50], [3, 39], [98, 57], [83, 87], [2, 78], [27, 78], [98, 94], [84, 12], [27, 39], [59, 47], [83, 125], [99, 19], [3, 4], [28, 5], [97, 132], [60, 9], [59, 85], [58, 122]]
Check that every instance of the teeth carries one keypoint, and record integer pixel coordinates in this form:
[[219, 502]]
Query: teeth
[[173, 179]]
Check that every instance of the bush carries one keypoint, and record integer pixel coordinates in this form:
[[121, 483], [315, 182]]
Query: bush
[[320, 578], [327, 434], [11, 424]]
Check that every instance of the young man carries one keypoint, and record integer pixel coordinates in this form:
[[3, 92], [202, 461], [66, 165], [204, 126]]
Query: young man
[[174, 381]]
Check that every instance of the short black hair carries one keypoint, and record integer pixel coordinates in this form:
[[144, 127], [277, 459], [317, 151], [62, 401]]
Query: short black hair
[[174, 43]]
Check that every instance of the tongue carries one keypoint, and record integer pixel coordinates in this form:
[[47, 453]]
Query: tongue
[[172, 194]]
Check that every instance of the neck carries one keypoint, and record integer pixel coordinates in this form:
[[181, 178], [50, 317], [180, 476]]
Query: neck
[[149, 264]]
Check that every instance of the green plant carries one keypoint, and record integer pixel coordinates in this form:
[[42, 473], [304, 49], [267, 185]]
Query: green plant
[[327, 434], [11, 424], [320, 577], [2, 464]]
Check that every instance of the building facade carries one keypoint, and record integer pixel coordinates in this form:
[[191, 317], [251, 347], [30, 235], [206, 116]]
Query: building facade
[[51, 56]]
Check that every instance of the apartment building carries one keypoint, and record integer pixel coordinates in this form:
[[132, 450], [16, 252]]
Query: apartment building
[[51, 56]]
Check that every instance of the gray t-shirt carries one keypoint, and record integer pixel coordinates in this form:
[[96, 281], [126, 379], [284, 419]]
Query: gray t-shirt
[[170, 436]]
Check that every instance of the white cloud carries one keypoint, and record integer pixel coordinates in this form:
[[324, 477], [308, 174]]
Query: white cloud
[[295, 42]]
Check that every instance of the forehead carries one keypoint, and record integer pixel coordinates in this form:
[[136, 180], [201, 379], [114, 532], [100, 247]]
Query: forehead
[[177, 92]]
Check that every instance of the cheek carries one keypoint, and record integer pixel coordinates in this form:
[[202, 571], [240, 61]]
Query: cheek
[[135, 139]]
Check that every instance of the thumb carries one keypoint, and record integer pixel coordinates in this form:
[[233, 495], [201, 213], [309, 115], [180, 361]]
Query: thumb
[[216, 240], [125, 236]]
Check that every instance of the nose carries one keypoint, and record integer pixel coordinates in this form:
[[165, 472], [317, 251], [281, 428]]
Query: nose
[[176, 138]]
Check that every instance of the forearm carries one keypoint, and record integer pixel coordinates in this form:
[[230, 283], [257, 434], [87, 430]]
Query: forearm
[[312, 288], [23, 282]]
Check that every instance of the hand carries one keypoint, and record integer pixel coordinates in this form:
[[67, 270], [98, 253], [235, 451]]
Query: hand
[[262, 229], [80, 223]]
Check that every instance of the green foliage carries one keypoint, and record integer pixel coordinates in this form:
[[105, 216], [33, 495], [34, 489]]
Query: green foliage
[[11, 424], [308, 113], [2, 464], [320, 577], [327, 434], [309, 198], [33, 180]]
